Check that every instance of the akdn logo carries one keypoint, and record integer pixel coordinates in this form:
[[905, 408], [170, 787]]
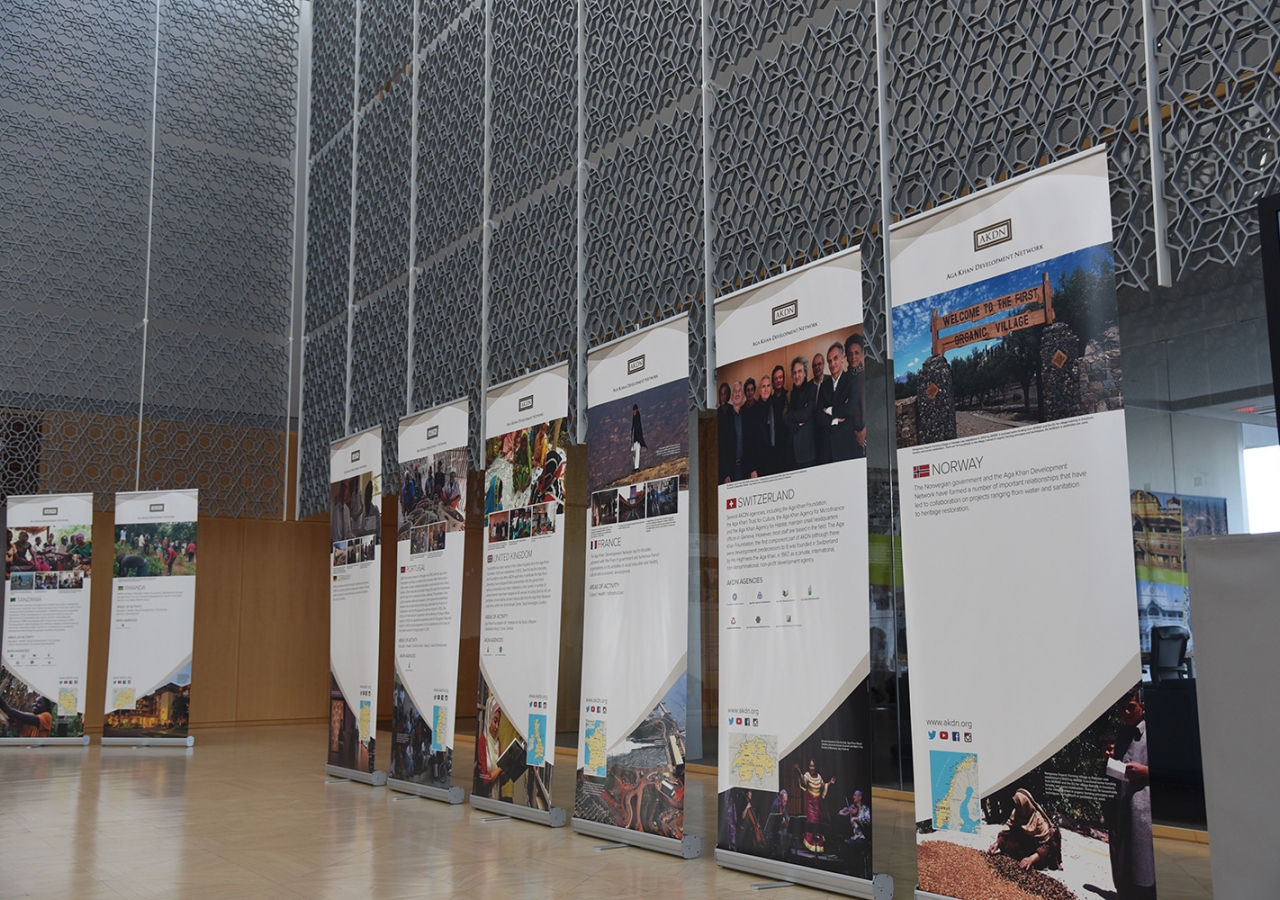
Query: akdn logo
[[636, 364], [998, 233], [526, 403], [786, 312], [156, 507], [355, 455], [433, 432]]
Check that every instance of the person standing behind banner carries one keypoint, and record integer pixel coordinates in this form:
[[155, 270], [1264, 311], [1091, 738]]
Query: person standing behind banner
[[800, 414], [637, 437], [855, 359], [1133, 867], [737, 443]]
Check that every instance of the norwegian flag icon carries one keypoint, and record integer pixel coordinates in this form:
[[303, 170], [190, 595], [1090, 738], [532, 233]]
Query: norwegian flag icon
[[920, 471]]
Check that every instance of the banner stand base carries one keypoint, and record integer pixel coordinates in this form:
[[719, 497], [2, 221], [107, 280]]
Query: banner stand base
[[688, 847], [451, 795], [925, 895], [82, 741], [188, 741], [552, 818], [377, 777], [880, 887]]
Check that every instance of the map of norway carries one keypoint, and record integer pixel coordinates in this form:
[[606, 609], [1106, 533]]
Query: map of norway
[[755, 761], [956, 805]]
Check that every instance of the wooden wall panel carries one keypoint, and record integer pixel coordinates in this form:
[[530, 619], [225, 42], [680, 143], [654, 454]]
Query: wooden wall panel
[[215, 654], [284, 622]]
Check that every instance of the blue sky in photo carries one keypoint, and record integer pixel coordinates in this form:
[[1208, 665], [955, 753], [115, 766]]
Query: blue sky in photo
[[912, 342]]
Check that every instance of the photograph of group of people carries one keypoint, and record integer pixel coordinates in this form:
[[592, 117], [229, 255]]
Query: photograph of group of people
[[426, 538], [42, 549], [356, 550], [1077, 825], [636, 502], [26, 713], [144, 551], [525, 522], [793, 407], [46, 581], [432, 490], [354, 509], [412, 758]]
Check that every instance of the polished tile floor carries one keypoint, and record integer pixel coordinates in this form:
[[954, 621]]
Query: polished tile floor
[[247, 813]]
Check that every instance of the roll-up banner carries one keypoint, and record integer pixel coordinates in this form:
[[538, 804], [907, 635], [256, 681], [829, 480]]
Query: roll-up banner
[[1028, 729], [153, 607], [44, 652], [526, 441], [431, 500], [795, 759], [630, 784], [355, 587]]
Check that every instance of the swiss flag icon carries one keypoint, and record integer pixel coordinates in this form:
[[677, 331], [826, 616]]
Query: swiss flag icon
[[731, 503]]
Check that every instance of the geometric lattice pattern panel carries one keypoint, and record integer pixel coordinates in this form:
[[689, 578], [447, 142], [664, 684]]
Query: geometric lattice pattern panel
[[436, 15], [92, 59], [379, 342], [382, 211], [223, 241], [644, 250], [446, 343], [228, 73], [73, 214], [386, 44], [451, 137], [965, 112], [333, 67], [795, 149], [534, 96], [324, 372], [740, 28], [329, 233], [1222, 84], [532, 305], [640, 58]]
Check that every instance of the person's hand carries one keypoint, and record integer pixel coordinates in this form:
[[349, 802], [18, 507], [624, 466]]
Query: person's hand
[[753, 474], [831, 782], [1136, 772], [862, 437], [993, 849], [1027, 862]]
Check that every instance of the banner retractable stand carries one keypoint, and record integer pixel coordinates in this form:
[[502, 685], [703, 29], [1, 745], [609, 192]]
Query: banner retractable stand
[[355, 582], [630, 777], [526, 443], [431, 499], [153, 606], [795, 754], [44, 652], [1028, 722]]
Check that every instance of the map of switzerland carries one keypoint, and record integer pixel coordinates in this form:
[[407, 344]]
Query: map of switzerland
[[754, 761], [955, 795], [593, 758]]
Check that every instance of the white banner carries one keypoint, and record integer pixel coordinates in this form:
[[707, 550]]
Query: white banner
[[526, 441], [431, 533], [635, 619], [355, 534], [1018, 549], [44, 653], [795, 771], [153, 604]]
